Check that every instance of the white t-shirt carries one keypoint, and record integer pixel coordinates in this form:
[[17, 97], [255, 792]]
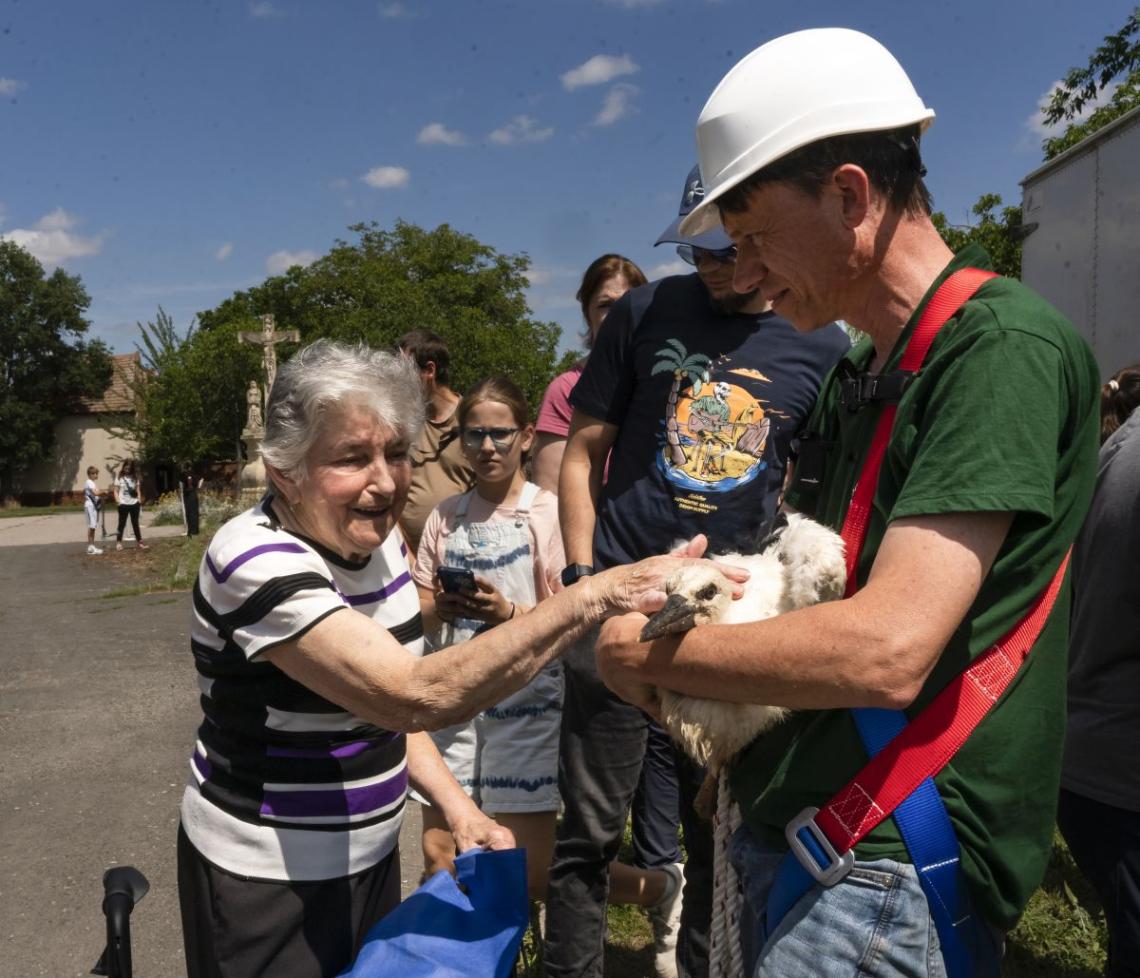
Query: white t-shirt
[[128, 487]]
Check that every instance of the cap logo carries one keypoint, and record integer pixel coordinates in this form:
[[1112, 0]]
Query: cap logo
[[695, 190]]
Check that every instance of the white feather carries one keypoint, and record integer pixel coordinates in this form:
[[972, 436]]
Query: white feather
[[805, 565]]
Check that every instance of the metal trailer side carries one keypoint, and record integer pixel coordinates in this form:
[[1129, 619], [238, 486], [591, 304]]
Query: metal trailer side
[[1081, 211]]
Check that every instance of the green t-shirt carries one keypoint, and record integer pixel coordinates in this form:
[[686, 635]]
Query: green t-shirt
[[1002, 417]]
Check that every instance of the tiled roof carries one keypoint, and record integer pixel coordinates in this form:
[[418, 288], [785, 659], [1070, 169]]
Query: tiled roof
[[118, 397]]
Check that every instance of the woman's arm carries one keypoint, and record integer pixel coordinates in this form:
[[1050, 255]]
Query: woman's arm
[[431, 778], [350, 660]]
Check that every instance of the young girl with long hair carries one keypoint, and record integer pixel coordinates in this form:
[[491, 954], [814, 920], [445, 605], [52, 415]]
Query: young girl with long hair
[[504, 532]]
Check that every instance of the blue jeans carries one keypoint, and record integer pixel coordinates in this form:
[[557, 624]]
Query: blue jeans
[[875, 923]]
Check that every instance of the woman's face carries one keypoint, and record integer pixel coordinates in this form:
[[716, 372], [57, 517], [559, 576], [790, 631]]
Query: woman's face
[[604, 296], [356, 483], [491, 463]]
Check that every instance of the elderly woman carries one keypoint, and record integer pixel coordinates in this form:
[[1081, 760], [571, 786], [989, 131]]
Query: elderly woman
[[307, 638]]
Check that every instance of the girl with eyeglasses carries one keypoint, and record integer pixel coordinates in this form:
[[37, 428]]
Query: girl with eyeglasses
[[505, 532]]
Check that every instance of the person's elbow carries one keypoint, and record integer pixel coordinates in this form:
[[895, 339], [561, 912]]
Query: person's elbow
[[431, 703], [897, 669]]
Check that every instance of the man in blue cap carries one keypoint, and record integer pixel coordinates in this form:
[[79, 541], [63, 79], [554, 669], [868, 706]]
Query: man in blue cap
[[699, 391]]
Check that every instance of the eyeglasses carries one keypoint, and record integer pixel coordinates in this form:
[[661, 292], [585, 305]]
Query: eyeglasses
[[694, 255], [501, 438]]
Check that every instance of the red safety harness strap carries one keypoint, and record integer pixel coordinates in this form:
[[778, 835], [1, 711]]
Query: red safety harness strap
[[928, 742], [946, 301]]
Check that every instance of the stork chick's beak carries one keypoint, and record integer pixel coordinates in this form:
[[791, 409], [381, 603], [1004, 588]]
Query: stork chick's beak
[[677, 615]]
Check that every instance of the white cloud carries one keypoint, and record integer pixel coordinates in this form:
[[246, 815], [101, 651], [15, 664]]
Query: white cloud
[[281, 261], [1036, 122], [521, 129], [436, 133], [601, 68], [386, 177], [10, 86], [665, 269], [395, 11], [224, 251], [617, 104], [53, 239], [265, 9]]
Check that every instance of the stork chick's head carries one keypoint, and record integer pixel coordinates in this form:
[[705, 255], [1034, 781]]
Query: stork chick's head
[[697, 595]]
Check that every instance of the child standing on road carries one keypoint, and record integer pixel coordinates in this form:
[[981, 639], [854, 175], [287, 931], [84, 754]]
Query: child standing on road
[[128, 495], [505, 531], [92, 503]]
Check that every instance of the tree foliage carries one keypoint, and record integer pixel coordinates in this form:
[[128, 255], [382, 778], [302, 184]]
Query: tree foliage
[[45, 364], [1118, 55], [374, 289], [998, 230], [190, 401], [386, 283], [160, 340]]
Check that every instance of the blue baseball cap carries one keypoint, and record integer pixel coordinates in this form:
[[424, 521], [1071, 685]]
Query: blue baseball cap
[[692, 194]]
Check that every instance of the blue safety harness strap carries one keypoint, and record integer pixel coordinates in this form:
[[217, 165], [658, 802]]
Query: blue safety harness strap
[[929, 838]]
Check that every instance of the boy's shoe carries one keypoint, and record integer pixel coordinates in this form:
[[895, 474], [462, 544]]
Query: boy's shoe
[[143, 546], [118, 546], [665, 916], [92, 549]]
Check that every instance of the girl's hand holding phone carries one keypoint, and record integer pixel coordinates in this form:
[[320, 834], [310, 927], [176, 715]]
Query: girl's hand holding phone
[[487, 603]]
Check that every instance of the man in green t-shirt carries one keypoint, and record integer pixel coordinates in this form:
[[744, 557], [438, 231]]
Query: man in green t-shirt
[[810, 152]]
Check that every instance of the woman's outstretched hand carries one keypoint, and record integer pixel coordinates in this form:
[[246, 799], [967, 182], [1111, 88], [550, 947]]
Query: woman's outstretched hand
[[641, 586]]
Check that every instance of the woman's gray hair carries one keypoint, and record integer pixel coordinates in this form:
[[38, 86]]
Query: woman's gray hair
[[327, 376]]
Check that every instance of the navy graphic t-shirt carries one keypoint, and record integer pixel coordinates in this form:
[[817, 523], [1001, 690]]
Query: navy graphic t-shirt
[[707, 406]]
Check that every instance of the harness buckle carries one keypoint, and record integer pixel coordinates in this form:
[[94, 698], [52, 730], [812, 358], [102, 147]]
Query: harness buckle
[[814, 851]]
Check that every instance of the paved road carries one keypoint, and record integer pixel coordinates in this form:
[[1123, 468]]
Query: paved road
[[98, 707]]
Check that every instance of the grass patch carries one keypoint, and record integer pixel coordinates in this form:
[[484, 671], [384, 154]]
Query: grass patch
[[170, 564], [7, 512], [1062, 933]]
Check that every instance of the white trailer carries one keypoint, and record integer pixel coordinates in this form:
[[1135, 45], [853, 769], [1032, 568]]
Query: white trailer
[[1081, 213]]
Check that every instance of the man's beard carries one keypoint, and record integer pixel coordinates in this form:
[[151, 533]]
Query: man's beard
[[730, 305]]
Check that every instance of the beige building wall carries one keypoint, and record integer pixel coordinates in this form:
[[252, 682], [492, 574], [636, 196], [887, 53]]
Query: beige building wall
[[80, 441]]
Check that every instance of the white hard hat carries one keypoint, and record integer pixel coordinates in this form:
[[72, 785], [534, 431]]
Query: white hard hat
[[793, 91]]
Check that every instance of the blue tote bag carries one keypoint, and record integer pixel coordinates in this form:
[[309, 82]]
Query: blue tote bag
[[467, 926]]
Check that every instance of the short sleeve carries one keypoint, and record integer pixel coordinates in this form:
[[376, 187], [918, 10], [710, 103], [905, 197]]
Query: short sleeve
[[554, 412], [977, 446], [606, 386], [258, 596]]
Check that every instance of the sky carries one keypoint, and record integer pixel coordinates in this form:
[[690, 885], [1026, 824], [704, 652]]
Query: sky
[[172, 152]]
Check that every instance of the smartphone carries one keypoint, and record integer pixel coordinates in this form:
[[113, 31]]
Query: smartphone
[[456, 579]]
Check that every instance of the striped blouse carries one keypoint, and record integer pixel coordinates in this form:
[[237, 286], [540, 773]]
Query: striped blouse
[[285, 785]]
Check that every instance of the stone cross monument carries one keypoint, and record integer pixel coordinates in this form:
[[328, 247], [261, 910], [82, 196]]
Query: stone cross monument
[[253, 479]]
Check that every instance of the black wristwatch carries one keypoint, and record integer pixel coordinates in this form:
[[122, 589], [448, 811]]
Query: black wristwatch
[[573, 573]]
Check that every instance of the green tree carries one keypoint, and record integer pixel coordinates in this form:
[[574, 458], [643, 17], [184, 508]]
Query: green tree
[[190, 400], [160, 340], [1118, 57], [45, 364], [388, 282], [998, 230]]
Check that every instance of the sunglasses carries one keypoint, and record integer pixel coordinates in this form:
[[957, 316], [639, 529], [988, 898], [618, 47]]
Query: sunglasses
[[501, 438], [694, 255]]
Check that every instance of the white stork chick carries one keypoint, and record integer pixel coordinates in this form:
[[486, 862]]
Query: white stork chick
[[801, 563]]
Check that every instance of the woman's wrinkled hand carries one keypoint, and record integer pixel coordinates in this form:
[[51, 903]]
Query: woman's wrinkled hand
[[641, 586], [481, 832]]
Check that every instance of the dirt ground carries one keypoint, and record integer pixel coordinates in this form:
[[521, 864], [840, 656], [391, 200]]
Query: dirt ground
[[98, 708]]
